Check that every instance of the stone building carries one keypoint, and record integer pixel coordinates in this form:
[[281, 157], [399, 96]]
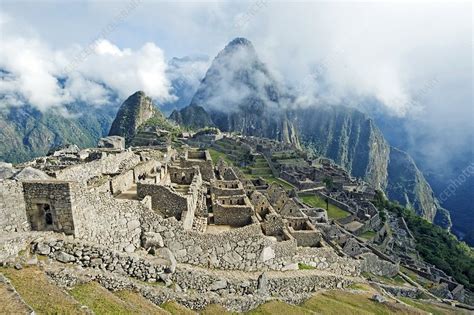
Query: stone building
[[49, 205]]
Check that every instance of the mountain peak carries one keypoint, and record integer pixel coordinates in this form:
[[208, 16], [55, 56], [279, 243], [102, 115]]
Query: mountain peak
[[136, 110], [238, 44], [240, 41]]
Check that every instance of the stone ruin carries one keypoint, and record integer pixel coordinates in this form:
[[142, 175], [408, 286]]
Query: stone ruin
[[175, 206]]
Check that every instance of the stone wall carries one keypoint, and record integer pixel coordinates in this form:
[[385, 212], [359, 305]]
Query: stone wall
[[244, 248], [233, 210], [182, 175], [121, 182], [306, 238], [373, 264], [49, 205], [89, 255], [227, 188], [335, 202], [169, 202], [324, 258], [273, 224], [111, 164], [12, 207], [100, 218], [146, 169], [164, 199], [201, 159]]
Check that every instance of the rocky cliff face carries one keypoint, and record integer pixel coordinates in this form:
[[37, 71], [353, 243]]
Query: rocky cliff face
[[348, 137], [352, 140], [136, 110], [192, 116], [408, 185]]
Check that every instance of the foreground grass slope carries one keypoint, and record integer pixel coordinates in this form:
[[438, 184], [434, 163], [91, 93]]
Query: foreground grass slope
[[46, 298]]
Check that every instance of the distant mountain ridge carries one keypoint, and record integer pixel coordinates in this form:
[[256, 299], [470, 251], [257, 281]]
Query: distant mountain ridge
[[28, 132], [238, 93]]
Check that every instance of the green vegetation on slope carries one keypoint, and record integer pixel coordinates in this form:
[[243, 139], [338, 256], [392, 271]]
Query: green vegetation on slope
[[368, 235], [216, 156], [341, 302], [279, 308], [140, 304], [44, 297], [436, 245], [99, 299], [176, 309], [232, 154], [317, 202], [102, 301]]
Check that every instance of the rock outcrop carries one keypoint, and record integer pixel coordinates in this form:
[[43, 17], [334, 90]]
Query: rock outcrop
[[407, 185], [192, 116], [136, 110]]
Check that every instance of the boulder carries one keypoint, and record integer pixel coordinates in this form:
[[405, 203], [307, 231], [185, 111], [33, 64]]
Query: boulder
[[262, 286], [378, 298], [292, 266], [63, 150], [267, 254], [43, 249], [112, 142], [152, 239], [130, 248], [64, 257], [7, 170], [218, 285], [166, 254]]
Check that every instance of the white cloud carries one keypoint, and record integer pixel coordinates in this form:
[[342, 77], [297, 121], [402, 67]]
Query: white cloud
[[36, 74]]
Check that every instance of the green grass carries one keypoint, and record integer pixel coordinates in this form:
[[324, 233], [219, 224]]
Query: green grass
[[279, 308], [140, 304], [343, 302], [360, 286], [44, 297], [280, 181], [368, 235], [396, 280], [216, 155], [100, 300], [176, 309], [302, 266], [316, 201], [435, 309]]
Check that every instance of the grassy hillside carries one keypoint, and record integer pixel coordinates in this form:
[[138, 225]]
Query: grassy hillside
[[436, 245]]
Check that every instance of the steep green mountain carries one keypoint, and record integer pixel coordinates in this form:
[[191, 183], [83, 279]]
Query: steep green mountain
[[239, 94], [138, 115], [27, 132], [135, 111]]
